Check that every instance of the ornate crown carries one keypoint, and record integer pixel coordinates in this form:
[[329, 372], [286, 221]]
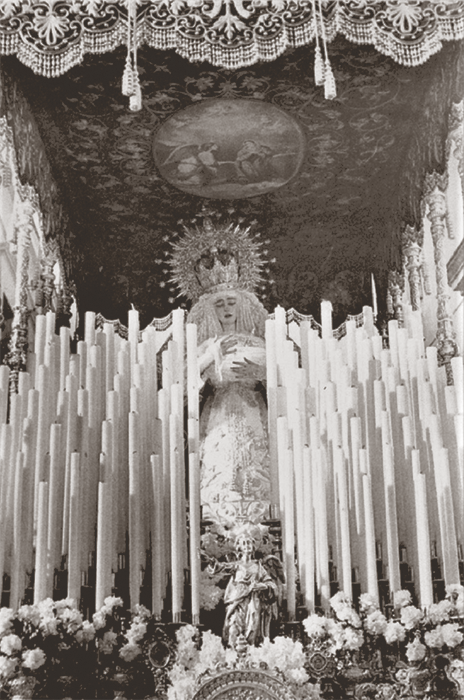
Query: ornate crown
[[216, 257]]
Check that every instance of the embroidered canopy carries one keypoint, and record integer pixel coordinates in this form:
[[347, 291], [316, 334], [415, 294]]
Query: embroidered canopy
[[51, 36]]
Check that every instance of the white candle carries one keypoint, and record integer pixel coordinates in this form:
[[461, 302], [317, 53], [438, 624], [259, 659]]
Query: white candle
[[374, 296], [56, 487], [102, 589], [340, 477], [134, 509], [157, 534], [17, 569], [89, 333], [192, 371], [176, 522], [326, 319], [422, 532], [133, 336], [41, 590], [195, 563], [74, 549], [369, 530]]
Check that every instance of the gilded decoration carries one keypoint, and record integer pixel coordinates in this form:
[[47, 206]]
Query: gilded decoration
[[51, 37], [246, 684]]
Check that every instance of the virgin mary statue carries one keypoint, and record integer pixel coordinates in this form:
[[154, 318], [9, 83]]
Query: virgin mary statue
[[219, 268]]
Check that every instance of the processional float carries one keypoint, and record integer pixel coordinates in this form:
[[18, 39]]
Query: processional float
[[100, 462]]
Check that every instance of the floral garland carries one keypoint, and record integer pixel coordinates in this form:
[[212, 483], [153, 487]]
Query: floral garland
[[49, 650]]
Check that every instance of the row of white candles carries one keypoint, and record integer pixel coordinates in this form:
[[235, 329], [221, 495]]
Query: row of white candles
[[374, 440], [93, 452]]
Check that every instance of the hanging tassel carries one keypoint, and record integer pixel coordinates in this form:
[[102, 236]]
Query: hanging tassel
[[128, 78], [135, 101], [330, 89], [319, 70]]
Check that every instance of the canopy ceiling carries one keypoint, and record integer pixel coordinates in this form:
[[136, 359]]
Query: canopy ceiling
[[335, 221]]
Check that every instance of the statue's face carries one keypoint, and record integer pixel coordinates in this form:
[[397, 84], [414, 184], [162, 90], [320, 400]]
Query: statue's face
[[245, 545], [225, 305]]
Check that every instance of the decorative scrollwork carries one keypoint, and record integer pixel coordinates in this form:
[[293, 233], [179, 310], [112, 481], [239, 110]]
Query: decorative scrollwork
[[50, 37], [246, 684]]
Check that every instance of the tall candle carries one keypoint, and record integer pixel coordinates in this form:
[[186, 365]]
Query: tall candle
[[133, 336], [176, 523], [56, 488], [308, 470], [102, 589], [89, 328], [195, 563], [41, 588], [289, 536], [192, 371], [422, 533], [326, 319], [134, 509], [74, 549], [340, 476], [157, 535], [17, 572], [369, 530]]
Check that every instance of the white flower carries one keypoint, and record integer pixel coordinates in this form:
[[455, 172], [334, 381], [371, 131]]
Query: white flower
[[10, 644], [367, 603], [111, 602], [434, 638], [129, 652], [315, 625], [454, 590], [415, 651], [411, 616], [140, 612], [440, 612], [33, 658], [65, 603], [394, 632], [6, 620], [7, 666], [352, 638], [212, 650], [136, 632], [86, 634], [49, 625], [47, 607], [297, 675], [72, 619], [339, 601], [376, 622], [106, 644], [30, 613], [401, 599], [451, 635], [347, 614], [99, 620]]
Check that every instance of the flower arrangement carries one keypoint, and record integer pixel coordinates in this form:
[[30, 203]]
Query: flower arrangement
[[196, 657], [412, 637], [43, 644]]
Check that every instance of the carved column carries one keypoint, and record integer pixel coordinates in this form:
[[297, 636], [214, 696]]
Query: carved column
[[48, 276], [412, 252], [455, 140], [17, 355], [395, 296], [446, 337]]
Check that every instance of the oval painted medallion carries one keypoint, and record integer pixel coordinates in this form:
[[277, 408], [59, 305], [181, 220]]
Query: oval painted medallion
[[229, 149]]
